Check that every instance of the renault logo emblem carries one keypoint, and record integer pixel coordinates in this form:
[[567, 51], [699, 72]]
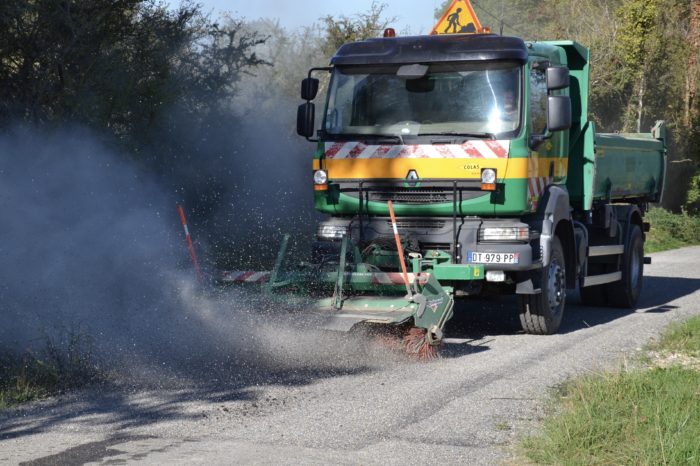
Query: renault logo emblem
[[412, 175]]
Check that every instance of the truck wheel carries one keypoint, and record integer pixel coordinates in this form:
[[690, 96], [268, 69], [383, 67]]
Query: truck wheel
[[625, 293], [541, 314]]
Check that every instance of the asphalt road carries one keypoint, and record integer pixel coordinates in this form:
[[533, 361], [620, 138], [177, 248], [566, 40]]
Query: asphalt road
[[363, 407]]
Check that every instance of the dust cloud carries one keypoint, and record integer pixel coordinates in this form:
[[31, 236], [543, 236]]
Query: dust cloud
[[92, 245]]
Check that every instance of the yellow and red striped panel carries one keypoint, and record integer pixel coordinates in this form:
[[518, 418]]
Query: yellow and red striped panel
[[467, 150]]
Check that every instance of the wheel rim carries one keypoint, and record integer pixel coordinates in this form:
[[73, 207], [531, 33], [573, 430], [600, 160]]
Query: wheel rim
[[635, 273], [555, 286]]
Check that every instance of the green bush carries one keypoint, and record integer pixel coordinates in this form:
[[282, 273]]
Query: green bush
[[670, 231], [65, 361], [682, 337], [692, 204]]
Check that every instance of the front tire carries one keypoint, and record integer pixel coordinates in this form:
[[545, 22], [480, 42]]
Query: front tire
[[541, 314]]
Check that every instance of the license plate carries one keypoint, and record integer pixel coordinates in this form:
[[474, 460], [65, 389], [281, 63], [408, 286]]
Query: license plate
[[493, 257]]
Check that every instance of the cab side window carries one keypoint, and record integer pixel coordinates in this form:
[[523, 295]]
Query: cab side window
[[538, 100]]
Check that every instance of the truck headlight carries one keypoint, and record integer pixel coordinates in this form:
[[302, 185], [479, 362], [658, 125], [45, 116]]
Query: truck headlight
[[488, 179], [320, 177], [331, 231], [504, 234]]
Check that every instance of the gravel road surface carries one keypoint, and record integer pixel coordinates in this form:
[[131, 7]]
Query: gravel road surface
[[368, 408]]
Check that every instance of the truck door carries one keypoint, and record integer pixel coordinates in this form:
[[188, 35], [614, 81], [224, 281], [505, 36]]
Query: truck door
[[547, 160]]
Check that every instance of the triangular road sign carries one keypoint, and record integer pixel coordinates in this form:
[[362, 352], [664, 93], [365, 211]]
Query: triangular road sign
[[459, 18]]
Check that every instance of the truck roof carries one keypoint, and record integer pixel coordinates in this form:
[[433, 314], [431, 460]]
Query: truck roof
[[435, 48]]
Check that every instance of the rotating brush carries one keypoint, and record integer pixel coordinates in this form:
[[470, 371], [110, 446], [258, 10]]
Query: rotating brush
[[415, 343]]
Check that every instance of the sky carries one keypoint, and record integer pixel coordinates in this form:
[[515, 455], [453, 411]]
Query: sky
[[417, 15]]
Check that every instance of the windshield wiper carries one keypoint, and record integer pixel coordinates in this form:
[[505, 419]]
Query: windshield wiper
[[461, 135], [396, 139]]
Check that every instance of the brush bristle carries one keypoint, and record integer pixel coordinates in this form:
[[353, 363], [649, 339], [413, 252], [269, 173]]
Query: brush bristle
[[415, 343]]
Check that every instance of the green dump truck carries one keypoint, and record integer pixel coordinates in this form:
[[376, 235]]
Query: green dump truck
[[454, 165], [497, 177]]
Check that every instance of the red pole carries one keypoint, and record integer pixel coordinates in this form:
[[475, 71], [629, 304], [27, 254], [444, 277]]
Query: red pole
[[190, 246], [399, 247]]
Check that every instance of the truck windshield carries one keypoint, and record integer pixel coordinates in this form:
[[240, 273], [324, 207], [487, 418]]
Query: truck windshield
[[452, 99]]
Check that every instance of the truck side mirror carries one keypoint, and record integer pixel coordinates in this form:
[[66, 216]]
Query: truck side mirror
[[557, 78], [309, 88], [306, 118], [558, 112]]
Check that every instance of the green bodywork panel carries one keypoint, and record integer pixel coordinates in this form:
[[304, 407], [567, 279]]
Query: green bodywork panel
[[440, 265], [582, 169], [461, 272], [628, 166], [433, 308], [581, 147]]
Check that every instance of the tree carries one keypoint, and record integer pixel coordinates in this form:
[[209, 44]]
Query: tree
[[291, 54], [115, 65], [361, 26], [691, 88], [638, 44]]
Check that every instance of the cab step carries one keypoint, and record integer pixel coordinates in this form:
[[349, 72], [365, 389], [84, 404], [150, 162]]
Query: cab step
[[594, 280]]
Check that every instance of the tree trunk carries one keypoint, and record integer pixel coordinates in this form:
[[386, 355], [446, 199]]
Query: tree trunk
[[691, 82], [640, 101]]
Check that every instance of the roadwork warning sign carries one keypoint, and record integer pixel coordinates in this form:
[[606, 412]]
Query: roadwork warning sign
[[459, 18]]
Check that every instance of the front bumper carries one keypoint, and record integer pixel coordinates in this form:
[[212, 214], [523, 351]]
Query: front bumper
[[457, 238]]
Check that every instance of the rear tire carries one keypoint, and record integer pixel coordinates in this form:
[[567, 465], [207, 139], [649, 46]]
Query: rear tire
[[625, 293], [541, 314]]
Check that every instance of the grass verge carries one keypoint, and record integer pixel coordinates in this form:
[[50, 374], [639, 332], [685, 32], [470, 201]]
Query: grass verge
[[645, 416], [671, 231], [63, 362], [681, 337]]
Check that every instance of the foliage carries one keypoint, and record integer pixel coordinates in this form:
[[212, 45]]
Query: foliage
[[291, 54], [116, 66], [64, 362], [637, 20], [670, 231], [643, 43], [682, 337], [361, 26], [692, 204]]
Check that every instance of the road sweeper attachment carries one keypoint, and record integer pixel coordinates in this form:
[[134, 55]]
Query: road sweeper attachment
[[351, 281]]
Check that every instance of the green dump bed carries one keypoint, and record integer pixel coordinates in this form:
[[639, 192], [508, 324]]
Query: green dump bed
[[630, 166]]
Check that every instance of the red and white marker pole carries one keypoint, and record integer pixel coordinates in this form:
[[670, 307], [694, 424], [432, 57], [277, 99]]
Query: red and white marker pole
[[399, 248], [190, 246]]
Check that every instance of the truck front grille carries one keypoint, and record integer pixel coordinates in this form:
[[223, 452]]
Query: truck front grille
[[418, 223], [414, 196], [436, 246], [411, 196]]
